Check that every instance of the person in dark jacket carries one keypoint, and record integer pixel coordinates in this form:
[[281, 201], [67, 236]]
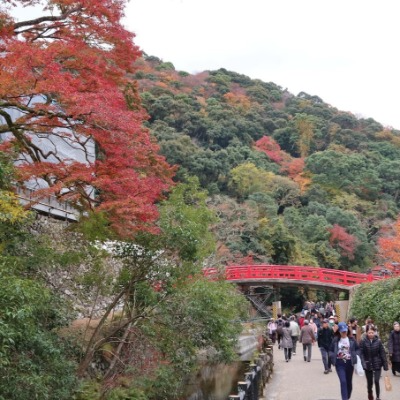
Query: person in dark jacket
[[279, 326], [394, 348], [324, 338], [373, 358], [343, 353]]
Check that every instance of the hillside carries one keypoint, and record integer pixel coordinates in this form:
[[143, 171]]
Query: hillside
[[293, 180]]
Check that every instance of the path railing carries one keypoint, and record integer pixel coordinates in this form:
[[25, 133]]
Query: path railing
[[267, 272], [252, 386]]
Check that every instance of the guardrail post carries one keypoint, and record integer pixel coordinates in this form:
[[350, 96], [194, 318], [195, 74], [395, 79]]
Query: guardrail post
[[253, 386], [255, 381], [242, 389], [248, 376], [262, 367]]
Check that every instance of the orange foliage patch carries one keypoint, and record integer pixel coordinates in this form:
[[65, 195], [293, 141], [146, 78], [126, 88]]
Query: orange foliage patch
[[238, 100], [389, 244], [293, 167]]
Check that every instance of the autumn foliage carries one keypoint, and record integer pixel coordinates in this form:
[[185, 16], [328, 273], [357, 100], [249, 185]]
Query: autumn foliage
[[63, 80], [239, 101], [272, 149], [343, 241], [389, 245], [293, 167]]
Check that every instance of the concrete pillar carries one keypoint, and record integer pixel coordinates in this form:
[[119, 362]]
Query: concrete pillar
[[341, 309], [276, 309]]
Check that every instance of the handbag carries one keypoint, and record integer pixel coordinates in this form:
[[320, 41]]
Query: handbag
[[388, 384], [358, 367]]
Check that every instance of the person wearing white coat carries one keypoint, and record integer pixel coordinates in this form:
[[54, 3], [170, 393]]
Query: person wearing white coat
[[295, 329]]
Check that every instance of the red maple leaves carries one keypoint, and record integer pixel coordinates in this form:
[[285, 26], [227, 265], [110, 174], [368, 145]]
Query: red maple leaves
[[63, 108], [271, 148], [343, 241]]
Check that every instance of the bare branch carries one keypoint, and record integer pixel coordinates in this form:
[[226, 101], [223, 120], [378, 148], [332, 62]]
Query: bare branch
[[48, 18]]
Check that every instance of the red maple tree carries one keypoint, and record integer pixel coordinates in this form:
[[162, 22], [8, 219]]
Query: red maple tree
[[64, 89], [345, 242], [293, 167], [271, 148]]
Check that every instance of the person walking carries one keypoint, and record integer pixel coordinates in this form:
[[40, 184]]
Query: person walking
[[271, 328], [279, 326], [300, 320], [343, 354], [394, 348], [286, 342], [317, 319], [314, 327], [373, 358], [356, 331], [324, 339], [307, 338], [368, 321], [295, 329]]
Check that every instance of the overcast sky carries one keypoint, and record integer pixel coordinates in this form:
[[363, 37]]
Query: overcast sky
[[344, 51]]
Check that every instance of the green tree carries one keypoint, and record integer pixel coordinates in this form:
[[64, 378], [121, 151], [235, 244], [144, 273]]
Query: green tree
[[247, 179], [34, 361], [185, 220], [164, 294], [282, 241], [350, 172], [389, 172], [200, 314]]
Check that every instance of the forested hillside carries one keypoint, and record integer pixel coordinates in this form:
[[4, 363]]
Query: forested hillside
[[292, 179]]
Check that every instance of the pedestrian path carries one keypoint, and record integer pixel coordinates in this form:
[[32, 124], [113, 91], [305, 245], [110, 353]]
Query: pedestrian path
[[300, 380]]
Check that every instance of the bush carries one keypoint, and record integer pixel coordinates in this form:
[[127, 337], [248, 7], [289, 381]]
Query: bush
[[34, 362], [379, 300]]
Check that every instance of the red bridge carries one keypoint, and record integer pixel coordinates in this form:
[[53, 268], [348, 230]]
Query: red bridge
[[293, 275]]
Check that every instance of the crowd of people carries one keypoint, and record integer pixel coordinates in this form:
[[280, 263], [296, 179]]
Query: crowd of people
[[342, 344]]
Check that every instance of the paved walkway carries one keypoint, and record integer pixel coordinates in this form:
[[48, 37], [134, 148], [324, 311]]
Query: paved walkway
[[300, 380]]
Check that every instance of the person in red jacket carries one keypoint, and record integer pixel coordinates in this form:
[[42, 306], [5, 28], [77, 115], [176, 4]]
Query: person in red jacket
[[300, 320]]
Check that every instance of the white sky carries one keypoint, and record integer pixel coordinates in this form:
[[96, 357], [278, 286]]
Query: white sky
[[344, 51]]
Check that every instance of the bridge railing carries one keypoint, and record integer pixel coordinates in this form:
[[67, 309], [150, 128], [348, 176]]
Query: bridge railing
[[293, 272]]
